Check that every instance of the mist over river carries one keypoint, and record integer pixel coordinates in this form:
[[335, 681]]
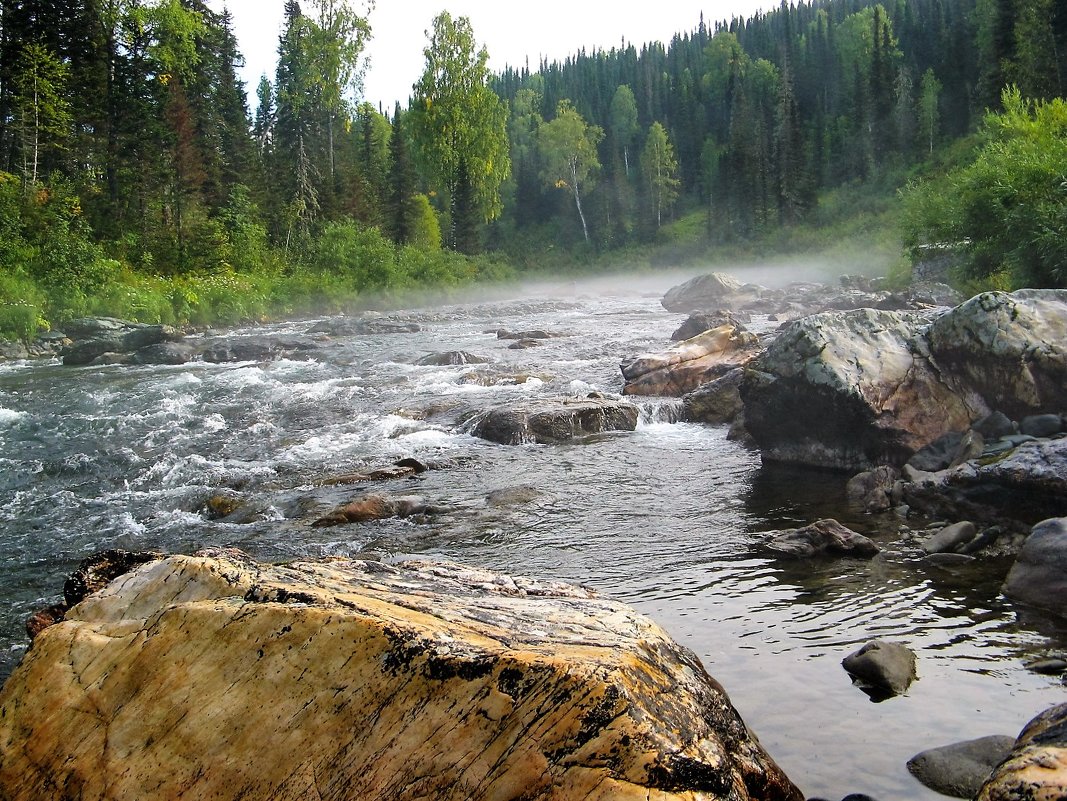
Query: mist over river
[[665, 518]]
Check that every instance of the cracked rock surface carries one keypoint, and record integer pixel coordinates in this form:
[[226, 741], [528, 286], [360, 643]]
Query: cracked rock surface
[[213, 677]]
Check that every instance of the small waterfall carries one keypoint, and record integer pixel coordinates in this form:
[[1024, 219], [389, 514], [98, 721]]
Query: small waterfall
[[661, 410]]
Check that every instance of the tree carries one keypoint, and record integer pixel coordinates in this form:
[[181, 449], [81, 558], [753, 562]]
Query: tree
[[42, 112], [623, 126], [1006, 213], [660, 170], [568, 146], [400, 211], [459, 126], [929, 109]]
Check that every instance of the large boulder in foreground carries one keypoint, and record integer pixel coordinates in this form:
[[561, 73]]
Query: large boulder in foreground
[[687, 365], [552, 420], [1037, 767], [215, 677], [851, 390]]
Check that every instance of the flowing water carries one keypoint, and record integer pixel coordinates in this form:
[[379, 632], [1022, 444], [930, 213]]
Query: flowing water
[[665, 518]]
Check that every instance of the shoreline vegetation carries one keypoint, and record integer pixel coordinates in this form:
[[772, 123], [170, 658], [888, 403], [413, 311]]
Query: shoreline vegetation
[[136, 181]]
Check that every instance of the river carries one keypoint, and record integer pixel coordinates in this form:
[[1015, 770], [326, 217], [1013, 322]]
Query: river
[[665, 518]]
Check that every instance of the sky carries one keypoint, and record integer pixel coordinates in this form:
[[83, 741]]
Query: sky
[[512, 32]]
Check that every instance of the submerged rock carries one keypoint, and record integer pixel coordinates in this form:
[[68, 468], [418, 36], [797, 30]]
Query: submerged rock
[[552, 420], [121, 340], [451, 358], [823, 537], [960, 769], [375, 507], [1036, 769], [882, 666], [257, 349], [216, 677], [874, 490], [362, 326]]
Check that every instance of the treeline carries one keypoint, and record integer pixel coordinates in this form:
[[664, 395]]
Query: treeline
[[136, 180], [761, 115]]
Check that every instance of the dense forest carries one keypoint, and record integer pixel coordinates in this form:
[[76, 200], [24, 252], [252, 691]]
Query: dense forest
[[137, 180]]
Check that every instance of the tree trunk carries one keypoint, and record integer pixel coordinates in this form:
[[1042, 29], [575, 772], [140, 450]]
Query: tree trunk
[[578, 200]]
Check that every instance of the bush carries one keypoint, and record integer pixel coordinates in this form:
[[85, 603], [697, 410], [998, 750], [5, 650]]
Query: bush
[[1006, 212]]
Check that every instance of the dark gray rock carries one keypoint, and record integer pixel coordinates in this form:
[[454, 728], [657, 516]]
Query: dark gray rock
[[950, 539], [715, 402], [1039, 575], [882, 665], [1048, 667], [939, 454], [525, 335], [163, 353], [874, 490], [556, 420], [451, 358], [959, 770], [257, 349], [87, 351], [994, 426], [1041, 425], [822, 538], [1018, 490], [525, 344]]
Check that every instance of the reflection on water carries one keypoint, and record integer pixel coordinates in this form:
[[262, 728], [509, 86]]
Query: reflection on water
[[665, 518]]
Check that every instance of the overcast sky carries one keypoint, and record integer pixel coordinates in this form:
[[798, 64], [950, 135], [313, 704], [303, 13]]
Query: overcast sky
[[511, 31]]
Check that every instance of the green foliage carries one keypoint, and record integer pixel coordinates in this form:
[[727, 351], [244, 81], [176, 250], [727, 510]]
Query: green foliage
[[425, 231], [660, 169], [458, 124], [1007, 211]]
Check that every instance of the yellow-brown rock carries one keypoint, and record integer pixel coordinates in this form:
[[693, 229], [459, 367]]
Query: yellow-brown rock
[[685, 366], [212, 677], [1036, 770]]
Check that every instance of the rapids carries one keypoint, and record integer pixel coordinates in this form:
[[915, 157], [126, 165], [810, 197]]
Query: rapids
[[664, 518]]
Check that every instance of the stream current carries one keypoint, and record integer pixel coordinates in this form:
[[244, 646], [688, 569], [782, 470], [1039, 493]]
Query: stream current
[[665, 518]]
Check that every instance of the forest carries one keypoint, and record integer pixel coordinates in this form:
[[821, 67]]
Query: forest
[[138, 180]]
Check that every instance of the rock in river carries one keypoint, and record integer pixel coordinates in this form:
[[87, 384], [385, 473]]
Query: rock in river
[[712, 291], [215, 677], [851, 390], [882, 666], [1039, 575], [552, 420], [1036, 770], [685, 366], [960, 769], [823, 537]]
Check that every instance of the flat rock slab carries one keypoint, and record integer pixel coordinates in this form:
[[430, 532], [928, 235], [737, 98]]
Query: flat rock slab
[[215, 677], [549, 421]]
